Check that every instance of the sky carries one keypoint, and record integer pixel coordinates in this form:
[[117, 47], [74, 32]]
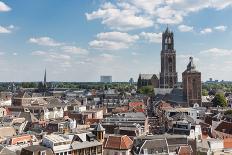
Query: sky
[[80, 40]]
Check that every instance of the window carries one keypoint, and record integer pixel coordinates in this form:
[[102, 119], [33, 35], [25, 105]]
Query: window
[[43, 153], [99, 149], [145, 151], [123, 153], [115, 153]]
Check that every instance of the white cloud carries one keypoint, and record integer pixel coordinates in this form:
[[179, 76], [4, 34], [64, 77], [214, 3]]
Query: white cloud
[[120, 18], [221, 28], [152, 37], [167, 15], [113, 40], [38, 53], [217, 52], [4, 7], [126, 15], [4, 30], [206, 31], [65, 64], [185, 28], [11, 26], [187, 56], [221, 4], [75, 50], [45, 41], [107, 57], [134, 53], [14, 54], [52, 56]]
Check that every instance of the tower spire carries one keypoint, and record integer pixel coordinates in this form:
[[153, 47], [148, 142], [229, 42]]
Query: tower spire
[[45, 77]]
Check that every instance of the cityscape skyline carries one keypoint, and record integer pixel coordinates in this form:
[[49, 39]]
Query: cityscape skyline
[[80, 41]]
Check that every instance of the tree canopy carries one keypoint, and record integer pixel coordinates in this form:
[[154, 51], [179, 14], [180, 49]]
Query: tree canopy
[[219, 100], [147, 90], [228, 112]]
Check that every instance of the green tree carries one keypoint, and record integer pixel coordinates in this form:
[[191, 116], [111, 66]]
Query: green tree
[[219, 100], [228, 112], [204, 92], [147, 90]]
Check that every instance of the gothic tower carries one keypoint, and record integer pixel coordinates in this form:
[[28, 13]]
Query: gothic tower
[[168, 74], [192, 84]]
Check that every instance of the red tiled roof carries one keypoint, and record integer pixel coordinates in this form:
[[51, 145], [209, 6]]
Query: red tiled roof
[[118, 142], [185, 150], [164, 105], [225, 127], [136, 104], [227, 143]]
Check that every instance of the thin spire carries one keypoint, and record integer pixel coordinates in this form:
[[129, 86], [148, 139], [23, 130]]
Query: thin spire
[[45, 77]]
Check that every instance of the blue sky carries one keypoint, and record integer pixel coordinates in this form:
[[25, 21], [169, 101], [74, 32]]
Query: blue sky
[[79, 40]]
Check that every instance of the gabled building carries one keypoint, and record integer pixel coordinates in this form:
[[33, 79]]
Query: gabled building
[[148, 80], [36, 150], [116, 144]]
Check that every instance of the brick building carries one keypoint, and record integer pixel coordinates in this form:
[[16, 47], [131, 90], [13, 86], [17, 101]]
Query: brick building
[[191, 79]]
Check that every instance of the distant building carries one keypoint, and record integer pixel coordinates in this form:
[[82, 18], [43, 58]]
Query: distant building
[[131, 81], [106, 79], [192, 84]]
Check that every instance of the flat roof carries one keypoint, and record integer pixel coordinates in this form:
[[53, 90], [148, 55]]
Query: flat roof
[[56, 138]]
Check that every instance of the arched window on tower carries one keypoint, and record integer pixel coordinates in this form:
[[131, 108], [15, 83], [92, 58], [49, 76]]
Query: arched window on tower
[[166, 44], [170, 64], [166, 40], [169, 40], [170, 81], [169, 43], [195, 94]]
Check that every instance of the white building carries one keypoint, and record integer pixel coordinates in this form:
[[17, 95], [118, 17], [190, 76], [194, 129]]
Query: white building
[[60, 145]]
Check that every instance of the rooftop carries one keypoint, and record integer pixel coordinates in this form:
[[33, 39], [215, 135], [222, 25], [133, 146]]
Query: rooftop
[[56, 138]]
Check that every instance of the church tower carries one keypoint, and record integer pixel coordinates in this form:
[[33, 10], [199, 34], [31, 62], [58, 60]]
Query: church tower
[[168, 74], [191, 84]]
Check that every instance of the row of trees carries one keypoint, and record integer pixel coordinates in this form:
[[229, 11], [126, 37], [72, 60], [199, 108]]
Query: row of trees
[[227, 87]]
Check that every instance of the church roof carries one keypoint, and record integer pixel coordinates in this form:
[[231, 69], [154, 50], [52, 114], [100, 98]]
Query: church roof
[[147, 76]]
